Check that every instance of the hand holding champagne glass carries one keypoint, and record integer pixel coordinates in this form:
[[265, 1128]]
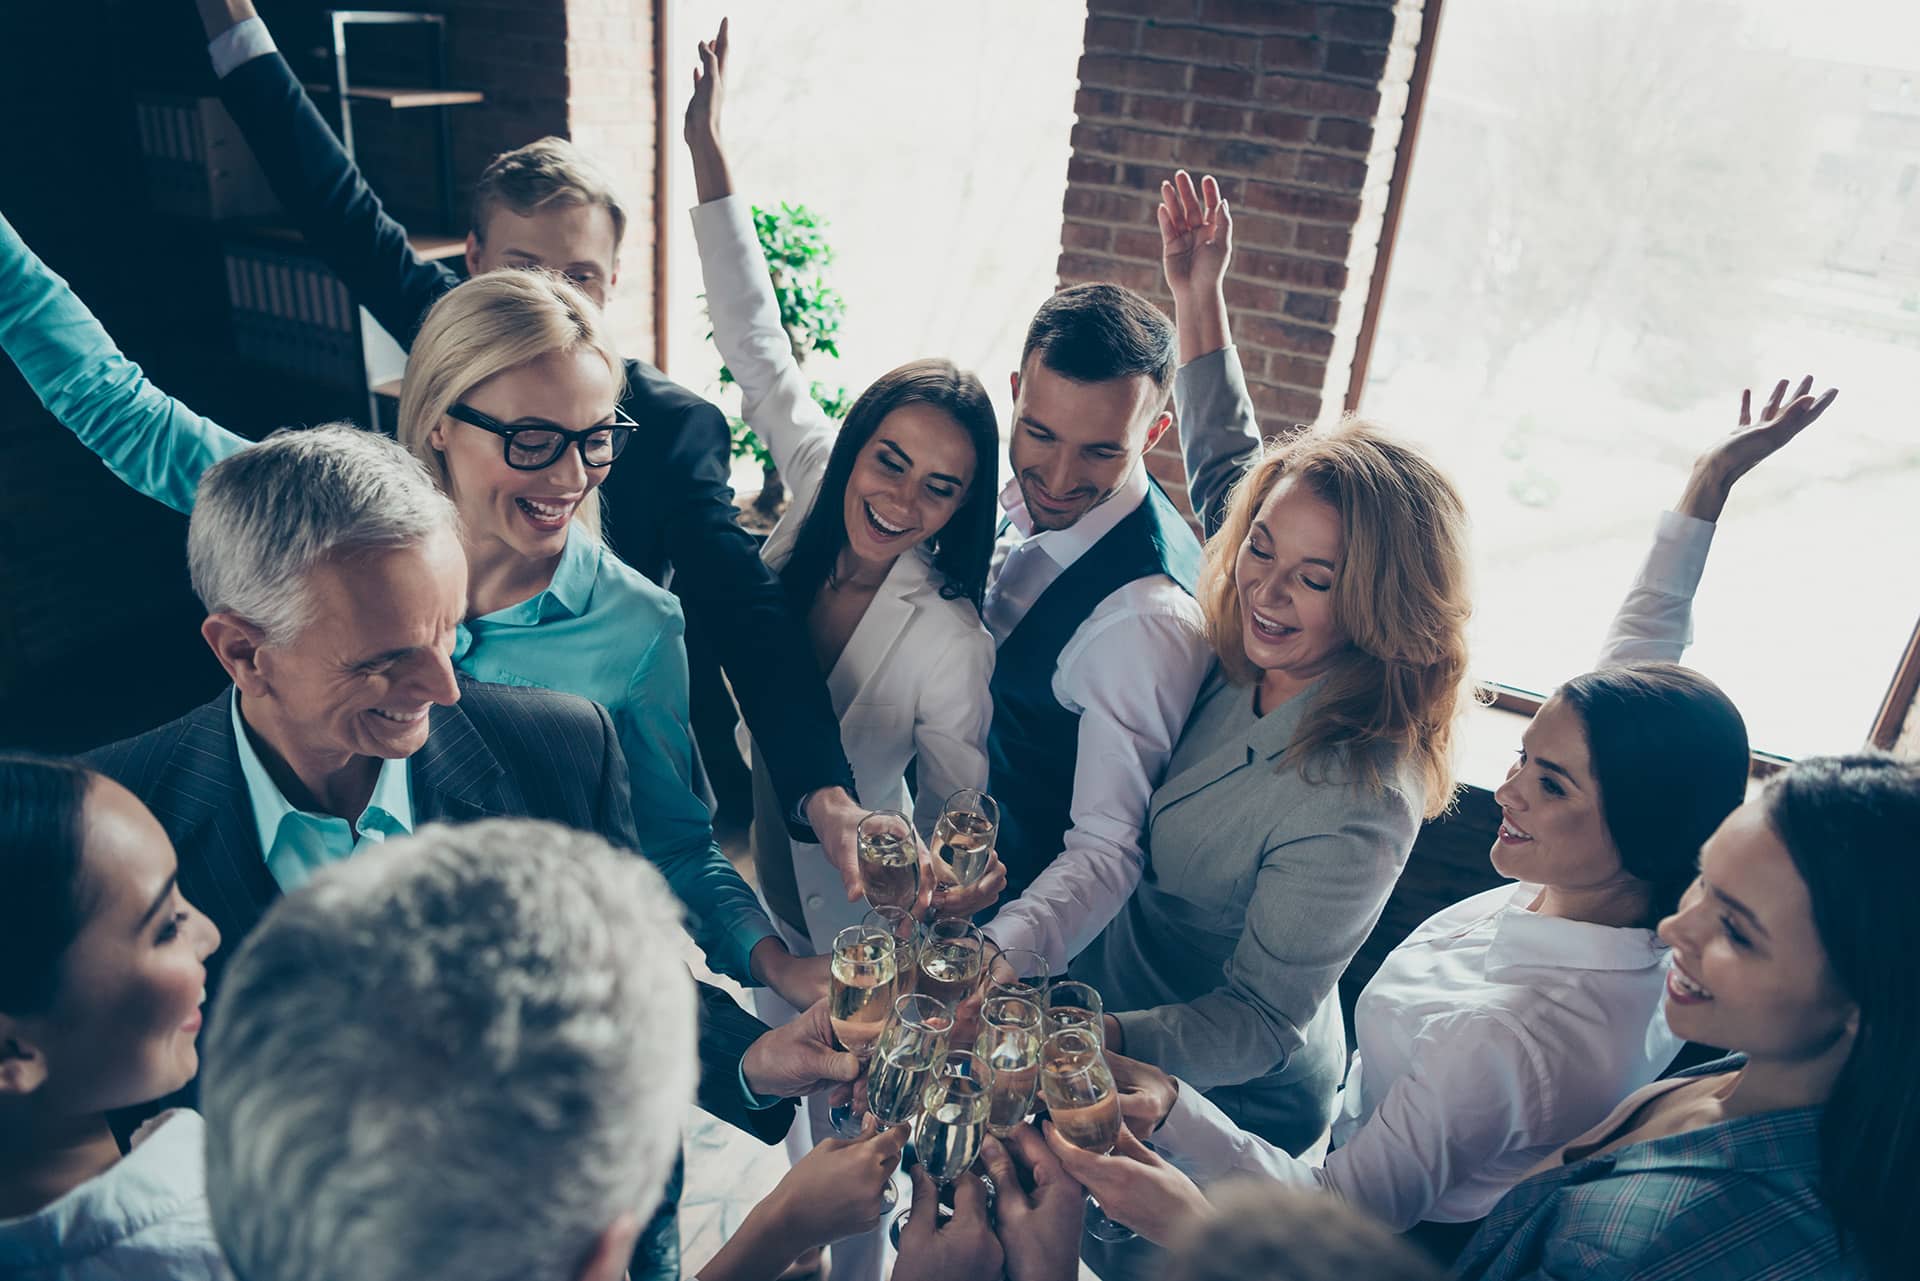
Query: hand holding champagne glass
[[889, 860], [953, 1116], [862, 983], [1084, 1104], [1010, 1043], [953, 956], [963, 838], [1074, 1004]]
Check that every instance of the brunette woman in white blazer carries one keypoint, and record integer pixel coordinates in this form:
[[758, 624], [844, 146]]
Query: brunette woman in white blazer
[[884, 551]]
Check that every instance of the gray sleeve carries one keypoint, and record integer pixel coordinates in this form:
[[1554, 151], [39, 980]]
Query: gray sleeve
[[1315, 899], [1218, 433]]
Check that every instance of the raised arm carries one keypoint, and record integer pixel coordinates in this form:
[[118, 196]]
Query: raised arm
[[321, 189], [1655, 621], [775, 397], [146, 437], [1218, 433]]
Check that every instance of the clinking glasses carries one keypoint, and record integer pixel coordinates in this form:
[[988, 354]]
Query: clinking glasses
[[532, 448]]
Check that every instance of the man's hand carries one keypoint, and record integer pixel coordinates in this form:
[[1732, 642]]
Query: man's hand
[[799, 1057], [1147, 1094], [1040, 1208], [220, 15], [702, 131], [835, 1190], [1728, 459], [963, 1248], [964, 900], [1134, 1185], [798, 980]]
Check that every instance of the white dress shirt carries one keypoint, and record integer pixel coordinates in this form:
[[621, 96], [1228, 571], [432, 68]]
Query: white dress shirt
[[1131, 673], [144, 1216], [238, 44], [1492, 1035]]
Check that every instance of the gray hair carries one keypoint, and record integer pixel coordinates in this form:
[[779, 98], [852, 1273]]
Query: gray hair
[[266, 516], [463, 1054]]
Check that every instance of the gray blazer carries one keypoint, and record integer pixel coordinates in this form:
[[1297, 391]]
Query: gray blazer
[[1261, 882]]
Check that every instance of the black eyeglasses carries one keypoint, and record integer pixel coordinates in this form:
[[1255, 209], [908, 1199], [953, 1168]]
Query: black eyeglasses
[[532, 448]]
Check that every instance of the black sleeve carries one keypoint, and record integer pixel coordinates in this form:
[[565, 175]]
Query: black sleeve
[[726, 1032], [324, 194], [719, 575]]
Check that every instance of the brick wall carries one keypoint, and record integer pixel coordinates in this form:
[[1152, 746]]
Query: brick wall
[[1296, 109]]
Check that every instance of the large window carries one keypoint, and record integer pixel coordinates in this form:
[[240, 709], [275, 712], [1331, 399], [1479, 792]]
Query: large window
[[933, 138], [1621, 212]]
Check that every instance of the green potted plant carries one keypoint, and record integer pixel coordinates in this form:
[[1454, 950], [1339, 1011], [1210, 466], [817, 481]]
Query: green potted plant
[[797, 255]]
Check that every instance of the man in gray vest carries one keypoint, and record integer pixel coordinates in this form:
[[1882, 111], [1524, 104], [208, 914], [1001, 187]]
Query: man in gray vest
[[1102, 648]]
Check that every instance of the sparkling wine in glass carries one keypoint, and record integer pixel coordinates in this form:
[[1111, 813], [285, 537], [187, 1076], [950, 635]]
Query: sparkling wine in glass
[[1018, 971], [861, 986], [1074, 1004], [889, 860], [910, 1046], [1012, 1054], [963, 838], [953, 1116], [1084, 1106], [899, 923], [952, 959]]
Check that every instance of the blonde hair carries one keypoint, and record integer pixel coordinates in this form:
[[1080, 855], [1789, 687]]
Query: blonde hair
[[1400, 595], [493, 323], [551, 171]]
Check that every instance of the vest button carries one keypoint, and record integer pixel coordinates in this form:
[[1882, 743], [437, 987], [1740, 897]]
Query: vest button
[[815, 902]]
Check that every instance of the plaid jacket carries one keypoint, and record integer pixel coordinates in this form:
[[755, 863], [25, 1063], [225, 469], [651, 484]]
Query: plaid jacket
[[1731, 1202]]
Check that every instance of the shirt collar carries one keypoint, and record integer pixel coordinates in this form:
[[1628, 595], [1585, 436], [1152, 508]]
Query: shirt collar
[[569, 592], [1065, 546], [1524, 940], [392, 791]]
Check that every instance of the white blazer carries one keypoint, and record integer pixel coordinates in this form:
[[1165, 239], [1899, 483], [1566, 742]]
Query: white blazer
[[912, 681]]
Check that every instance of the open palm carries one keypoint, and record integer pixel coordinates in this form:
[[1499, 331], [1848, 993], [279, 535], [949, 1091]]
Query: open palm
[[1196, 233]]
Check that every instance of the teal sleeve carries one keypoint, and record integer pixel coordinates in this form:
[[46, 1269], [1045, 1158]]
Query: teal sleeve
[[146, 437], [675, 830]]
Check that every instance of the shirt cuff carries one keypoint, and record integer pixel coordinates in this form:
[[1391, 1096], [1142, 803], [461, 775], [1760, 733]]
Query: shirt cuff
[[755, 1102], [1679, 555], [239, 44]]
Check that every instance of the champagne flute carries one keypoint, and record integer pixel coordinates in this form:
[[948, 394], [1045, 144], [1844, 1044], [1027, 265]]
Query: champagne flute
[[953, 956], [900, 923], [1085, 1107], [963, 838], [1027, 971], [952, 1124], [911, 1045], [1075, 1004], [1011, 1011], [863, 977], [1012, 1053], [889, 859]]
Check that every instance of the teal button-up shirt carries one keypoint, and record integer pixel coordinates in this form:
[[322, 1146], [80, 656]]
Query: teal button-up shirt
[[296, 843], [601, 629]]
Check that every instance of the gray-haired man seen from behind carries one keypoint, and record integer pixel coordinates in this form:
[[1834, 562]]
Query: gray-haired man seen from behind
[[334, 579], [467, 1056]]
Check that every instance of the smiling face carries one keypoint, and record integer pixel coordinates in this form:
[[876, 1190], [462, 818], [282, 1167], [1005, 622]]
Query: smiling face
[[527, 512], [360, 678], [1074, 444], [907, 482], [1749, 972], [1284, 575], [122, 1024], [1553, 831], [576, 240]]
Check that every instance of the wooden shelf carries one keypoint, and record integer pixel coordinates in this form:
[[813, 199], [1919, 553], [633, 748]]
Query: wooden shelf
[[434, 248], [400, 99]]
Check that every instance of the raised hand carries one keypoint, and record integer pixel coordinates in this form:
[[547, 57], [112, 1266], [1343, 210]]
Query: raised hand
[[710, 178], [1717, 469], [1134, 1185], [1196, 235]]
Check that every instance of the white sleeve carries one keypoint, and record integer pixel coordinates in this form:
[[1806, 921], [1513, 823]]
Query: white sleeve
[[1654, 624], [774, 396], [239, 44], [950, 725], [1134, 676], [1210, 1146]]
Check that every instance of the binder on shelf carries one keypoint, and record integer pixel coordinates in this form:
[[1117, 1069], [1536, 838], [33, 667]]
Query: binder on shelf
[[196, 162]]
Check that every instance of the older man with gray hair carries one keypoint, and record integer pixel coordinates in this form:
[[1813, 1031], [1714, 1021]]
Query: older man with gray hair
[[431, 1063], [334, 579]]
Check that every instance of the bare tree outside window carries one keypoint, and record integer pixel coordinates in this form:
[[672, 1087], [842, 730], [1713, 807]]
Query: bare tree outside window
[[1620, 213]]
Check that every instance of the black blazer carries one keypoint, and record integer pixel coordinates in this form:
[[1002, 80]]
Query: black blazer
[[667, 503], [499, 752]]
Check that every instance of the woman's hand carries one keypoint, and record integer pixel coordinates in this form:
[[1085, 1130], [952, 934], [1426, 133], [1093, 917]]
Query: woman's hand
[[834, 1191], [800, 981], [1134, 1185], [964, 900], [1196, 244], [710, 178], [1731, 457]]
